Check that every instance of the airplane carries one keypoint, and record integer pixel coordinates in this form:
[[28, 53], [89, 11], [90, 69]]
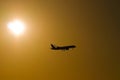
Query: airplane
[[62, 47]]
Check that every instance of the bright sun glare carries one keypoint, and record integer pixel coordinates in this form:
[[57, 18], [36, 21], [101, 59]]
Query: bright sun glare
[[17, 27]]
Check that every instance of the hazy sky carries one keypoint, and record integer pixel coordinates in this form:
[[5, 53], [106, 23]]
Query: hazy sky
[[93, 26]]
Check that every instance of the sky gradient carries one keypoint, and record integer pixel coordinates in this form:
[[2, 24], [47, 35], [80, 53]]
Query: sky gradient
[[93, 26]]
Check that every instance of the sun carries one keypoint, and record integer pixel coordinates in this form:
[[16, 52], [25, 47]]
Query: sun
[[17, 27]]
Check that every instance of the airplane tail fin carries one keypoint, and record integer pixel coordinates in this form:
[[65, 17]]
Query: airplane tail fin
[[53, 46]]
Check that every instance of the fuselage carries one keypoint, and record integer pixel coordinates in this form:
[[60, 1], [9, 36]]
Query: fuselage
[[63, 47]]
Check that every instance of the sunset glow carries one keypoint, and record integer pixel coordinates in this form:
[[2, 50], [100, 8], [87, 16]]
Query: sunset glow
[[16, 27]]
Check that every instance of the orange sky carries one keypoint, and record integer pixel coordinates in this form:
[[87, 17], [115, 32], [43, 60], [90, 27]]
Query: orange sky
[[92, 26]]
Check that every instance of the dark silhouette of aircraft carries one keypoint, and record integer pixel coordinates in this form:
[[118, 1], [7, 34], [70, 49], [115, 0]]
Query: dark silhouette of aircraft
[[62, 47]]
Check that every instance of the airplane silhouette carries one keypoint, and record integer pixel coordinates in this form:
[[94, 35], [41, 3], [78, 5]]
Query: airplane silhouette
[[62, 47]]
